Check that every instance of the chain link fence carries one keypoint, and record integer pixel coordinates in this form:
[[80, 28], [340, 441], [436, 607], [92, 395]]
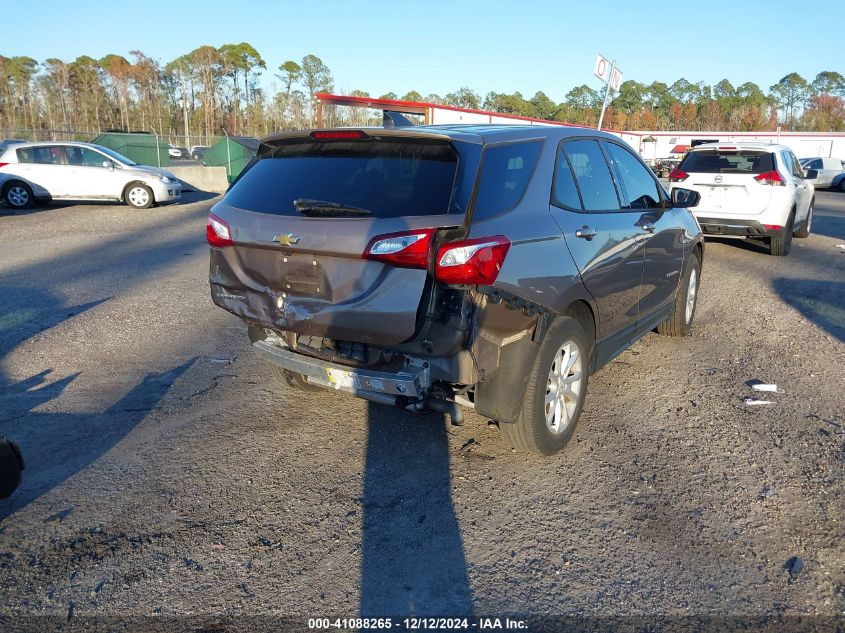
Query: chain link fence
[[149, 148]]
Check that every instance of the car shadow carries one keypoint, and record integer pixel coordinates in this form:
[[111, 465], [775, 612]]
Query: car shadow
[[751, 245], [819, 301], [55, 446], [188, 197], [412, 553]]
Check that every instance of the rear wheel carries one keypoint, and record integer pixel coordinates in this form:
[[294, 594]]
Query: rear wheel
[[804, 231], [679, 321], [18, 195], [780, 245], [139, 196], [842, 185], [555, 393]]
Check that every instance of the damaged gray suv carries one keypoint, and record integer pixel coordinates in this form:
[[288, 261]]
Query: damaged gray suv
[[436, 267]]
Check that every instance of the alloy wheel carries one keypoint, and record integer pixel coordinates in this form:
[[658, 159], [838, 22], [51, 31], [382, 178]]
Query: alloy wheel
[[563, 387], [692, 291], [17, 196]]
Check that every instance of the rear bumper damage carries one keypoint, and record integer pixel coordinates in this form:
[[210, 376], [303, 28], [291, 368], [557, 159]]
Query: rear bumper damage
[[410, 388], [412, 382]]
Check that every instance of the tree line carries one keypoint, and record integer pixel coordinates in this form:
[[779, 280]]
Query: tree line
[[211, 90]]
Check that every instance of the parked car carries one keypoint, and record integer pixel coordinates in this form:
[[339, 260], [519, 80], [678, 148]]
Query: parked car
[[369, 261], [838, 182], [754, 190], [178, 153], [40, 172], [828, 168], [198, 151]]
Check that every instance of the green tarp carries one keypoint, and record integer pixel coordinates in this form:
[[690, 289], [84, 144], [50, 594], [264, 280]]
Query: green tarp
[[233, 153], [142, 148]]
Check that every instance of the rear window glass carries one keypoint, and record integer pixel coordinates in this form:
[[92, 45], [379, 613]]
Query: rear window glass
[[505, 173], [728, 162], [387, 178]]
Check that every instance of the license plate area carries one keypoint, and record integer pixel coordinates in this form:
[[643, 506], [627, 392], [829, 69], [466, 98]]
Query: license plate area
[[301, 274]]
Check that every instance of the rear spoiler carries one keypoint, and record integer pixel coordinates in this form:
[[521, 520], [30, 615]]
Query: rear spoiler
[[412, 132]]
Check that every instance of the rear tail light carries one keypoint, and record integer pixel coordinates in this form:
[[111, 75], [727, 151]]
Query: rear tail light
[[217, 232], [408, 249], [2, 165], [337, 135], [468, 262], [771, 178], [471, 262], [676, 175]]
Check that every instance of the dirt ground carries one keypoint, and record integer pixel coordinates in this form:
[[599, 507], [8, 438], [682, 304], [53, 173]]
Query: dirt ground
[[169, 476]]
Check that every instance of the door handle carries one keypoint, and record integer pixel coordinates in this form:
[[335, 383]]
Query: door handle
[[586, 232], [648, 227]]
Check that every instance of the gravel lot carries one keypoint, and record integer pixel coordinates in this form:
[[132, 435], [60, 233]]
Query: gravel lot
[[168, 474]]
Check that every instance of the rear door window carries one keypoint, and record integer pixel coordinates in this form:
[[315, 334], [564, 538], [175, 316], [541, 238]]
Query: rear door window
[[44, 155], [565, 191], [388, 178], [592, 174], [505, 173], [728, 162], [638, 185]]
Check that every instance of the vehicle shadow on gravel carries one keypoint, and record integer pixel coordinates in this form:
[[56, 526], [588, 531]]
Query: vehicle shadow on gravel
[[412, 553], [55, 446], [819, 301]]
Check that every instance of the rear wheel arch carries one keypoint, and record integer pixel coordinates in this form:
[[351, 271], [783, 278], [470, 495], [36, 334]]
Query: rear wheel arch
[[20, 183], [500, 395], [582, 311]]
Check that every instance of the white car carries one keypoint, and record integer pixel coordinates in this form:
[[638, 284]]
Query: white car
[[828, 168], [753, 190], [40, 172]]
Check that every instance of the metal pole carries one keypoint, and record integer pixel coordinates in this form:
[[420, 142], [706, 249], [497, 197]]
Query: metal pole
[[185, 114], [606, 93], [158, 151]]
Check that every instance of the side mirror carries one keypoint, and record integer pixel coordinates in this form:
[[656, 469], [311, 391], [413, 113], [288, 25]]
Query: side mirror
[[811, 174], [108, 164], [684, 198]]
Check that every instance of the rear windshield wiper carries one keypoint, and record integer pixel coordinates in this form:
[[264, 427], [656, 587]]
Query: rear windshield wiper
[[323, 207]]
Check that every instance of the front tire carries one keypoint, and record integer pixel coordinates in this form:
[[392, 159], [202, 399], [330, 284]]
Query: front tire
[[781, 244], [679, 321], [804, 231], [139, 196], [18, 195], [557, 388]]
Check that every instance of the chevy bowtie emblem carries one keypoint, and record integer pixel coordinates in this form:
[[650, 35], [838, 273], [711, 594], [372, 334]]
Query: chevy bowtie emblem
[[286, 239]]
